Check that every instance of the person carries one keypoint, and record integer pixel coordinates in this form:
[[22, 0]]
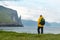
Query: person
[[40, 26]]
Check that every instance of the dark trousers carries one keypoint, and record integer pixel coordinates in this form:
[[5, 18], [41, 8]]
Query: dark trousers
[[40, 30]]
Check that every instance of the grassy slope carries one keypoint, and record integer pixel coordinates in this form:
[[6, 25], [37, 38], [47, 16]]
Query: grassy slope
[[24, 36], [4, 17]]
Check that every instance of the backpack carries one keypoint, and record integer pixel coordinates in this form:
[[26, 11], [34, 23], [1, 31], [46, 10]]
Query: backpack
[[42, 21]]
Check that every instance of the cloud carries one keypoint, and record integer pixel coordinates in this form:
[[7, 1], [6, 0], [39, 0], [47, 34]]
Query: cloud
[[9, 0], [31, 9]]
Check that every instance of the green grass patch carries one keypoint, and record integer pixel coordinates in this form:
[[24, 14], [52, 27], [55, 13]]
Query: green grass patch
[[5, 35]]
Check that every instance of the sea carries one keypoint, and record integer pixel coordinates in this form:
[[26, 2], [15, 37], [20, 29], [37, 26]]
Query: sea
[[32, 29]]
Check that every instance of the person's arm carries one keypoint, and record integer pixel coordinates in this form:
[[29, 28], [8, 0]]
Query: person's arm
[[39, 20]]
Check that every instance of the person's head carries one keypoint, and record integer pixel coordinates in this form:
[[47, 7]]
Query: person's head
[[40, 15]]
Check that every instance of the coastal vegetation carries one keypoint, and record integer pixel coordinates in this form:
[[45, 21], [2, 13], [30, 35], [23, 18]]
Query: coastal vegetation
[[8, 35]]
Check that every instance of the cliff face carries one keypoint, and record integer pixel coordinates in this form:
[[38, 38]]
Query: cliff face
[[9, 17]]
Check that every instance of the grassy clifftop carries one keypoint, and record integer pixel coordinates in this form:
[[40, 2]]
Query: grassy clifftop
[[4, 35]]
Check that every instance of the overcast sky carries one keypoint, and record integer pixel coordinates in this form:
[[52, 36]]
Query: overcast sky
[[31, 9]]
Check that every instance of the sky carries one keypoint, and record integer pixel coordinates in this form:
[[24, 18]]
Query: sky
[[32, 9]]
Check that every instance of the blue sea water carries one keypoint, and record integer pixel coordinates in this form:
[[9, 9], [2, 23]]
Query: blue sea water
[[26, 29]]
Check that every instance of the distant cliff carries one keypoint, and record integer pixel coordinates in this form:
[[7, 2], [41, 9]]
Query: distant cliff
[[31, 23], [9, 17]]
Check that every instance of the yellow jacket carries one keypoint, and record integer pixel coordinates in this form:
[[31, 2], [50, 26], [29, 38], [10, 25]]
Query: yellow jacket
[[39, 19]]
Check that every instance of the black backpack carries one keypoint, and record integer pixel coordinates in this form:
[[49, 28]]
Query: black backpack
[[42, 21]]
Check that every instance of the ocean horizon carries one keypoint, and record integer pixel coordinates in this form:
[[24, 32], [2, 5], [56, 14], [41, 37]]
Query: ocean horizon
[[33, 30]]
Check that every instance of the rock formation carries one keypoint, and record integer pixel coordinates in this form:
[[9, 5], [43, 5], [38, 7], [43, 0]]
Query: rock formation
[[9, 17]]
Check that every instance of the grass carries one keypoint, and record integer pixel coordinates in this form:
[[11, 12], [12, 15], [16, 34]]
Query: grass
[[5, 35]]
